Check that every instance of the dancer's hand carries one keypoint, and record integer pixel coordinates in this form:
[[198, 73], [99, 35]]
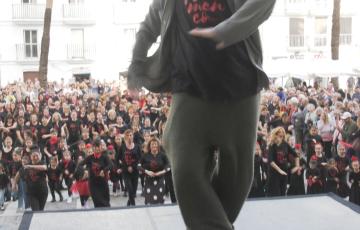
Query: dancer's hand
[[283, 173], [102, 174], [208, 33], [130, 169]]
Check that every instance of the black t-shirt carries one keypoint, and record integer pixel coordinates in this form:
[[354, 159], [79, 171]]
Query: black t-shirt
[[342, 163], [69, 166], [14, 167], [198, 67], [95, 165], [131, 157], [154, 163], [282, 155], [54, 174], [35, 180], [74, 130]]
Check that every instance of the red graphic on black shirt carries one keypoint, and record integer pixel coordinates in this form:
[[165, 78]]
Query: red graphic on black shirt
[[153, 165], [280, 157], [203, 11], [33, 176], [129, 159], [341, 165], [95, 168]]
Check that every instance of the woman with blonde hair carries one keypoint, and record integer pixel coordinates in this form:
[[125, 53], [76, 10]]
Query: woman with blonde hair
[[280, 156], [326, 129]]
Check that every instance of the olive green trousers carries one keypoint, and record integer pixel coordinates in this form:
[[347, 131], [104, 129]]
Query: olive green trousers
[[210, 196]]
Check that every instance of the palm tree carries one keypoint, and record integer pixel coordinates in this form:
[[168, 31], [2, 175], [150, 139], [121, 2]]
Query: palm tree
[[335, 37], [45, 43]]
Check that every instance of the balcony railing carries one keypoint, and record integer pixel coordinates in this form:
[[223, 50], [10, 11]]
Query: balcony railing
[[80, 52], [320, 40], [78, 13], [345, 39], [28, 12], [27, 52], [296, 7], [296, 40]]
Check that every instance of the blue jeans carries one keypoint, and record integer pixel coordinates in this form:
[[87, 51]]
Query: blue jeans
[[2, 197], [22, 199]]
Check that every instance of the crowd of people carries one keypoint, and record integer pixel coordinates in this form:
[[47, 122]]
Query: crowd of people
[[83, 137], [308, 142]]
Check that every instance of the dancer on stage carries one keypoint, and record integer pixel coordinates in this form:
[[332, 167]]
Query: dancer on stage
[[210, 58]]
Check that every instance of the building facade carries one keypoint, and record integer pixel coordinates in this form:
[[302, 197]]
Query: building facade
[[87, 38], [301, 29]]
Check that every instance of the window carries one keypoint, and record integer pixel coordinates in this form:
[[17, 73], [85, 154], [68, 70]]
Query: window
[[296, 35], [77, 43], [320, 31], [31, 46], [345, 31]]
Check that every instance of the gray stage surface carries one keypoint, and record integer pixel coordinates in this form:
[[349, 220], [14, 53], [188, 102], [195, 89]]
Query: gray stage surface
[[292, 213]]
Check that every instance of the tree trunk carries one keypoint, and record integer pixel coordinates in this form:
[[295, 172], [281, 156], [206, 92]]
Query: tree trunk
[[45, 44], [335, 38]]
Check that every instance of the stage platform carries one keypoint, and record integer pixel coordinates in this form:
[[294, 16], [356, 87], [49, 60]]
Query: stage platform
[[323, 212]]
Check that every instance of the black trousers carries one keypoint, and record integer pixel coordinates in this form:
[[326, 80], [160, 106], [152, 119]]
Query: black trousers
[[211, 199], [131, 183], [68, 182], [37, 198], [54, 187], [99, 190], [277, 184], [83, 200]]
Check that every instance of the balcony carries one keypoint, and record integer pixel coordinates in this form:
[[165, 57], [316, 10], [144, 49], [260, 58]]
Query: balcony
[[296, 41], [28, 53], [320, 7], [28, 13], [345, 39], [78, 14], [80, 53], [296, 7]]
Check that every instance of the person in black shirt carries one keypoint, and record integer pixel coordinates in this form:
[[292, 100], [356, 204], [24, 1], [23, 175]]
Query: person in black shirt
[[67, 167], [72, 128], [154, 164], [280, 155], [4, 181], [314, 178], [214, 72], [98, 165], [54, 174], [35, 177], [257, 188], [131, 154], [343, 166], [354, 179]]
